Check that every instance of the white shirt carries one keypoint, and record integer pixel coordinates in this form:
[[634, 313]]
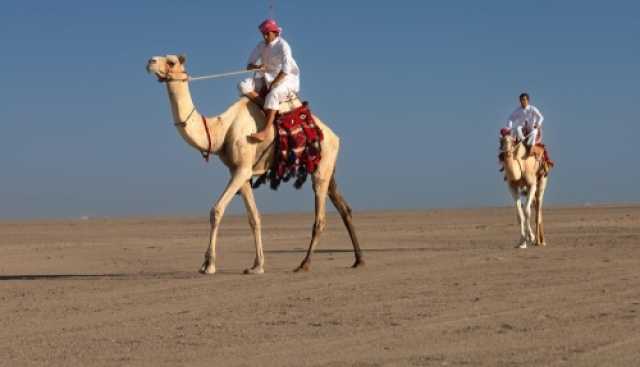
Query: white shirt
[[276, 57], [526, 117]]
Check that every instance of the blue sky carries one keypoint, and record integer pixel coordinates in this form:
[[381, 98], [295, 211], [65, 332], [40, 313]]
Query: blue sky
[[417, 90]]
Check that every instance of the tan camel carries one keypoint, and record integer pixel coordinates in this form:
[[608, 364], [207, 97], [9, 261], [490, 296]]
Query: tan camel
[[524, 175], [227, 138]]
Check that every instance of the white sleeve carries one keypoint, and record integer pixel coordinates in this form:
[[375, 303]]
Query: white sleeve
[[256, 53], [539, 116], [288, 65], [511, 118]]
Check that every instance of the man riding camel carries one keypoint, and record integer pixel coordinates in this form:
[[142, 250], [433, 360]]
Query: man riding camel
[[277, 78], [529, 123]]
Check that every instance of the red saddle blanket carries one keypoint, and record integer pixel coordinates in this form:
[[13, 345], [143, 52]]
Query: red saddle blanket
[[297, 148]]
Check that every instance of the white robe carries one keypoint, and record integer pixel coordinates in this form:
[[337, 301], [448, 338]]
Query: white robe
[[276, 57], [528, 119]]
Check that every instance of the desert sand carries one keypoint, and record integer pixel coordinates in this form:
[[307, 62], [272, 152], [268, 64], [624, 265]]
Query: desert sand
[[440, 288]]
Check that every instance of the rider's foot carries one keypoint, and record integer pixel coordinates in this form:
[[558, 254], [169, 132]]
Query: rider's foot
[[530, 150], [259, 136]]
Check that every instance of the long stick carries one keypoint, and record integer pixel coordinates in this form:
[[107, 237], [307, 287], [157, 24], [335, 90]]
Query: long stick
[[222, 75]]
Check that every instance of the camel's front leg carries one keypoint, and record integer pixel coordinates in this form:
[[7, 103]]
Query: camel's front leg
[[515, 194], [238, 178], [527, 213], [255, 223]]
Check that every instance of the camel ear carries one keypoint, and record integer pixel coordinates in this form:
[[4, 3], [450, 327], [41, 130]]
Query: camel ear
[[182, 58]]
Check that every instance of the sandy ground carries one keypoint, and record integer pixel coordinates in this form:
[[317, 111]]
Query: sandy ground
[[441, 288]]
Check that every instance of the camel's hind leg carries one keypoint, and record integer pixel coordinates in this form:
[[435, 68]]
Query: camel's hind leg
[[320, 187], [542, 185], [345, 212]]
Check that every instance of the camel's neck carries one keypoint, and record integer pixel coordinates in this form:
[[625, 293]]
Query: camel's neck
[[180, 99], [514, 163], [189, 121], [512, 168]]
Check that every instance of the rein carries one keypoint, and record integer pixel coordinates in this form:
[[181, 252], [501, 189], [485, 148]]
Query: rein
[[183, 124], [221, 75], [167, 76], [207, 153]]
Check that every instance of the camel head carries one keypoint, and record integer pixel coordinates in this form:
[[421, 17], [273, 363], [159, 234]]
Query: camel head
[[168, 68], [507, 144]]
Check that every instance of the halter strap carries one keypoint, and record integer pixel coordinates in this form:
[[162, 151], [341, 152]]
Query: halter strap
[[168, 78], [207, 153]]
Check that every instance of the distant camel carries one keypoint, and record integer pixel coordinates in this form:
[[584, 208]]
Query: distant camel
[[226, 136], [529, 175]]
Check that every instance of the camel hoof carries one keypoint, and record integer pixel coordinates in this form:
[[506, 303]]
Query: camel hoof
[[207, 268], [254, 271], [541, 244], [522, 245], [358, 264], [303, 267]]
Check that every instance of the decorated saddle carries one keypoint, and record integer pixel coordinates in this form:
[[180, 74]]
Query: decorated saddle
[[297, 150], [542, 154]]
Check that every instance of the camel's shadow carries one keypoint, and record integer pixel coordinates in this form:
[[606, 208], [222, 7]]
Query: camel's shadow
[[329, 251], [105, 276], [57, 276]]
